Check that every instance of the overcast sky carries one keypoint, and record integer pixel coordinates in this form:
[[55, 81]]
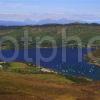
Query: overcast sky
[[88, 10]]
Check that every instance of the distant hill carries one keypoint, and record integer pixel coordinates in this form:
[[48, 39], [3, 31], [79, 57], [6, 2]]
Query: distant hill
[[51, 21], [32, 22]]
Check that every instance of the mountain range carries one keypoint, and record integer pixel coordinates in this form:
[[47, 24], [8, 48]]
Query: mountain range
[[41, 22], [32, 22]]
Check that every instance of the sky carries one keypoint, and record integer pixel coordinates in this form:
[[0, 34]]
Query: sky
[[26, 10]]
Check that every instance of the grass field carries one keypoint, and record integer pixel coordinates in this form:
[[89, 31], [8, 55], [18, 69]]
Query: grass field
[[21, 68]]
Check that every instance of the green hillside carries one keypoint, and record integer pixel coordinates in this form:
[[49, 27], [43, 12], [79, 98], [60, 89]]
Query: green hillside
[[84, 31]]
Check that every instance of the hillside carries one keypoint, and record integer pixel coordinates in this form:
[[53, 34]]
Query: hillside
[[20, 81], [15, 86], [84, 31]]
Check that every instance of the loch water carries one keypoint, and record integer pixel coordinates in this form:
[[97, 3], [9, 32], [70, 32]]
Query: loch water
[[71, 65]]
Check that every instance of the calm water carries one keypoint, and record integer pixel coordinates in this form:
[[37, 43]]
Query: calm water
[[70, 67]]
